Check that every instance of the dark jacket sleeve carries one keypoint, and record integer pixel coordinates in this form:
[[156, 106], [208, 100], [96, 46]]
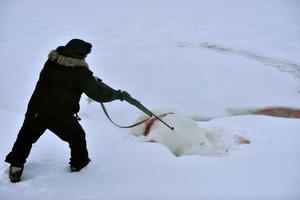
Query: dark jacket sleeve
[[96, 90]]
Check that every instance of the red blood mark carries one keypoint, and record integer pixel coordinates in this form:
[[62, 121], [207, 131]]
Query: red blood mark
[[295, 114], [280, 112], [270, 111], [149, 123], [241, 140]]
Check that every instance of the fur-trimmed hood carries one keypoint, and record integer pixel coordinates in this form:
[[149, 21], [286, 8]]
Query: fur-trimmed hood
[[54, 56]]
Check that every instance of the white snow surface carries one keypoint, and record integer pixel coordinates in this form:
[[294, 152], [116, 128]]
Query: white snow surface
[[154, 50]]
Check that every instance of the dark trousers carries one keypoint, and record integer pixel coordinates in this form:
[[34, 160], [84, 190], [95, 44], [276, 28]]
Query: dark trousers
[[69, 130]]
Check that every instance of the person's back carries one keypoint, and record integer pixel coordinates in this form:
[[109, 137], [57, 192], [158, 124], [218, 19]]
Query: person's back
[[58, 90], [62, 81]]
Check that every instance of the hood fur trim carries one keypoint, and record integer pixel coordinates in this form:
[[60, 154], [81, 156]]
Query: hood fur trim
[[54, 56]]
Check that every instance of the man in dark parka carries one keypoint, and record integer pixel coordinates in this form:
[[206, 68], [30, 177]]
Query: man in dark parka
[[54, 105]]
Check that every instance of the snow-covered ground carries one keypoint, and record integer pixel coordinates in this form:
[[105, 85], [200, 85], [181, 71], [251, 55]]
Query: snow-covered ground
[[156, 50]]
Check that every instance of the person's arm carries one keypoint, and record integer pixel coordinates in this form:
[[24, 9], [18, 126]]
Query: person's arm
[[98, 91]]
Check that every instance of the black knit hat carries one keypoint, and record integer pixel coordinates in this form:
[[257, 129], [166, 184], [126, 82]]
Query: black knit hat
[[79, 46]]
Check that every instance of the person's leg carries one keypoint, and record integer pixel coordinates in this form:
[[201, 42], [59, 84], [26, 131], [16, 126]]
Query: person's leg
[[29, 133], [72, 132]]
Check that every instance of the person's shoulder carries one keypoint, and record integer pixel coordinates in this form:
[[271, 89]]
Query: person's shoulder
[[84, 73], [84, 69]]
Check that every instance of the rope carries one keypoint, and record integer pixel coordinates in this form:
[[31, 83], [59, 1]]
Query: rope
[[120, 126]]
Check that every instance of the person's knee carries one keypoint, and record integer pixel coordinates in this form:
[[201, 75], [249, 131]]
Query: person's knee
[[78, 138]]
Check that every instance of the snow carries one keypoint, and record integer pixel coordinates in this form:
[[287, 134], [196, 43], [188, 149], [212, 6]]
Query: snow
[[154, 50]]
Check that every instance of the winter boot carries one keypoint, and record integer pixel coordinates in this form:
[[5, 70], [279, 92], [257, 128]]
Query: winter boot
[[77, 168], [15, 173]]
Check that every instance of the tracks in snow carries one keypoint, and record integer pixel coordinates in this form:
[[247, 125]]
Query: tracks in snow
[[280, 64]]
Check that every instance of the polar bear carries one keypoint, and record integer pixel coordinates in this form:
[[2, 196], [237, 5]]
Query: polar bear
[[187, 138]]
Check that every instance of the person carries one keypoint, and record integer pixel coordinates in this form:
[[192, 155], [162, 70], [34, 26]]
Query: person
[[54, 105]]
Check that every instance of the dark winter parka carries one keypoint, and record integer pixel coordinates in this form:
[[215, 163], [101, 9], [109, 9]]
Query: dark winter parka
[[62, 81]]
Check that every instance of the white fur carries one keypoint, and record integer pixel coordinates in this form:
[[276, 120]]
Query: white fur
[[188, 138]]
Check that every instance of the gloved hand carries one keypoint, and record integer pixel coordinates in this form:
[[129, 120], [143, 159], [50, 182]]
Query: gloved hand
[[122, 95], [125, 95]]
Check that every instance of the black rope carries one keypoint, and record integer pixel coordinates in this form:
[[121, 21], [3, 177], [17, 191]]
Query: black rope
[[120, 126]]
